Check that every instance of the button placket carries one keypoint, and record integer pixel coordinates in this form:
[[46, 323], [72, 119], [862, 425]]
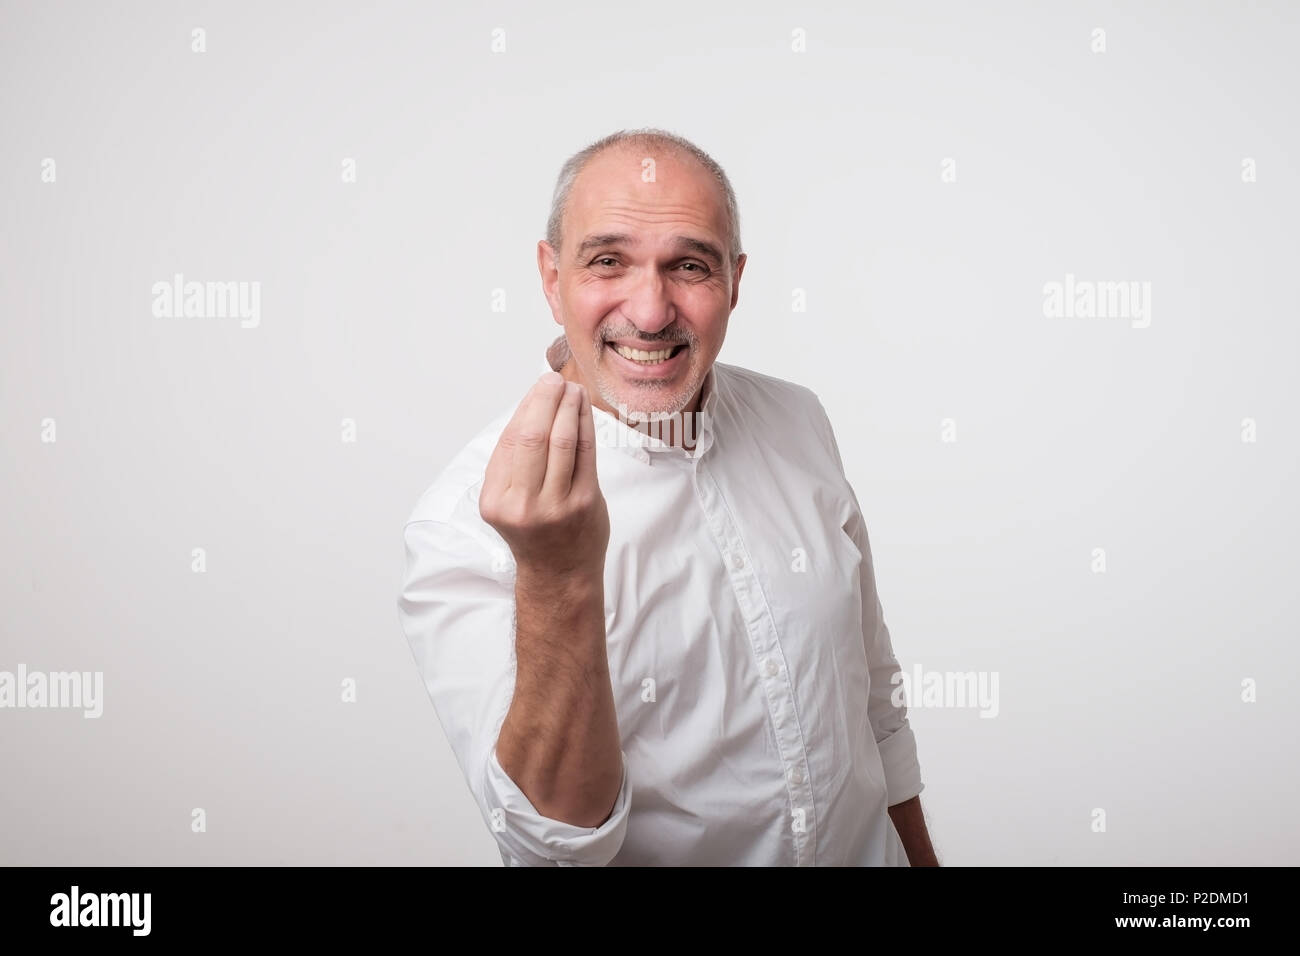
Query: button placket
[[764, 642]]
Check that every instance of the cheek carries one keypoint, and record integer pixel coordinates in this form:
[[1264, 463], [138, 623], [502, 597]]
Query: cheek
[[712, 333], [586, 307]]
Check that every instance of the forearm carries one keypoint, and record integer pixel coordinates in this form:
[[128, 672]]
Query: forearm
[[560, 741], [909, 821]]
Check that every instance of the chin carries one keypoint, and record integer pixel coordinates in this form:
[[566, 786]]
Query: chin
[[639, 401], [639, 404]]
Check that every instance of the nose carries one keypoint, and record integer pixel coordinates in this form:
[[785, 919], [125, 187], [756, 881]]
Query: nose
[[649, 306]]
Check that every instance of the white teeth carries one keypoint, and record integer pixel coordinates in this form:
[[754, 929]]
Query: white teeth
[[636, 355]]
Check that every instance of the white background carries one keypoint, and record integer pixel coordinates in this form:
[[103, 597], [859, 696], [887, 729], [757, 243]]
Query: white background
[[1119, 691]]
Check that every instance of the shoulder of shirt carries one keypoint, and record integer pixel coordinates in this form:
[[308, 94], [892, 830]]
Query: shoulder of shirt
[[751, 387], [792, 413], [455, 489]]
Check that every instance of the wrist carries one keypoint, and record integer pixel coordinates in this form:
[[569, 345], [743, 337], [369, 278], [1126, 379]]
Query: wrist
[[565, 586]]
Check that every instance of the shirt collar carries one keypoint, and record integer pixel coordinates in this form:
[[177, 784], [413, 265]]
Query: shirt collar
[[613, 433]]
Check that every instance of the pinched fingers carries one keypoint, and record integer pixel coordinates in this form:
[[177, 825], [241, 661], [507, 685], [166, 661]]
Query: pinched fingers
[[522, 429], [564, 445]]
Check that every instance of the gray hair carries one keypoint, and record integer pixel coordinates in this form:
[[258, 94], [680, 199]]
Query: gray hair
[[646, 138]]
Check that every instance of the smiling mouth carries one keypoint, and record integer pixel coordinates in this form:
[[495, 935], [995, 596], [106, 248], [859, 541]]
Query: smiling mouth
[[644, 357]]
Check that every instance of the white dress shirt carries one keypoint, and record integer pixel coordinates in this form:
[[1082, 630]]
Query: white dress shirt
[[748, 652]]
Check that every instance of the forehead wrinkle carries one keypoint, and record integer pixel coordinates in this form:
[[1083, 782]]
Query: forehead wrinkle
[[687, 217], [658, 212]]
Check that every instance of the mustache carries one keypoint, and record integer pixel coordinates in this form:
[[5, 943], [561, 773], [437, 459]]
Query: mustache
[[666, 337]]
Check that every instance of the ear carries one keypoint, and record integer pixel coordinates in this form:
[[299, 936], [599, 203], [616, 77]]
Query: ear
[[735, 279], [558, 355], [548, 268]]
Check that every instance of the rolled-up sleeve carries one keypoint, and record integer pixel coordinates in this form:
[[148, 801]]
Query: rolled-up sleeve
[[889, 723], [541, 841], [457, 610]]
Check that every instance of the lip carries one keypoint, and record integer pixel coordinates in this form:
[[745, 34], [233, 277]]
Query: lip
[[663, 369]]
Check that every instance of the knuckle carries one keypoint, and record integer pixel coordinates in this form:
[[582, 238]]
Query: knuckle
[[504, 514], [489, 506], [530, 439]]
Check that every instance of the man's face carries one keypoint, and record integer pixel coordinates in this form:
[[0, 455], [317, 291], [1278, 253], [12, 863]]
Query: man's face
[[665, 285]]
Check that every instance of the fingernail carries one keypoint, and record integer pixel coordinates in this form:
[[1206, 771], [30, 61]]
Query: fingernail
[[551, 378]]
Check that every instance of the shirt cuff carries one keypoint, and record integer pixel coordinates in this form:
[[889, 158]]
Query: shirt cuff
[[902, 769], [527, 838]]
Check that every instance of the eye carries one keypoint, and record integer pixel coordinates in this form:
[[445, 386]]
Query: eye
[[698, 266], [600, 259]]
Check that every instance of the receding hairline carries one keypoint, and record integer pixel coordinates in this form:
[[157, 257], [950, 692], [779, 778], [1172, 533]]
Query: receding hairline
[[632, 143]]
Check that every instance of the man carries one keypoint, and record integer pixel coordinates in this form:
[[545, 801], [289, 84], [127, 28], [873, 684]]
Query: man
[[643, 601]]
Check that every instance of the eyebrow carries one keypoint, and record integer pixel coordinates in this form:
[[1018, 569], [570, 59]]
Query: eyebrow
[[699, 246]]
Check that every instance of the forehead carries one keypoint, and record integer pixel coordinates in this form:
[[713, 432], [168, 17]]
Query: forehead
[[610, 195]]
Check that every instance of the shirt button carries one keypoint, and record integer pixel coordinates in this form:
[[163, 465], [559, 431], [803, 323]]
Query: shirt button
[[737, 560], [769, 667], [796, 776]]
